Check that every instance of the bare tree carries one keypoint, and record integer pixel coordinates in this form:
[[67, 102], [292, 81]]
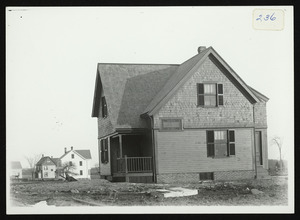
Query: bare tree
[[32, 160], [278, 142], [68, 169]]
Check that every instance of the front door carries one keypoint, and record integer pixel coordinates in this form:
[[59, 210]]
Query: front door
[[258, 147]]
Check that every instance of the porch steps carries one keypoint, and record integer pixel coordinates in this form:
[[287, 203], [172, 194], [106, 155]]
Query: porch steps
[[262, 173]]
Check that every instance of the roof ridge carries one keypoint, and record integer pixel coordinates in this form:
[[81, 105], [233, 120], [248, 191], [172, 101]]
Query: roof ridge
[[163, 64]]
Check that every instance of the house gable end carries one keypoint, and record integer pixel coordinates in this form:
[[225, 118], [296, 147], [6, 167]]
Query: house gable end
[[235, 111], [156, 105]]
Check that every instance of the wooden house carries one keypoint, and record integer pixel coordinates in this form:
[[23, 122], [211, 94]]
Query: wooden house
[[80, 161], [179, 123], [46, 168]]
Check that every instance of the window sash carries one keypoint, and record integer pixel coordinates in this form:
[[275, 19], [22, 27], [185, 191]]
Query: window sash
[[210, 94], [220, 143], [209, 88]]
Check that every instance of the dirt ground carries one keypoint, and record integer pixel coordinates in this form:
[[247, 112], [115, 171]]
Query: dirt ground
[[99, 192]]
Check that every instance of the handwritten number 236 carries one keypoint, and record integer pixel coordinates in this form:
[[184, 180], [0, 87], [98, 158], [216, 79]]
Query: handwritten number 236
[[272, 17]]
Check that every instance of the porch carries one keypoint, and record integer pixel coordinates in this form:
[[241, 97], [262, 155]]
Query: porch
[[131, 158]]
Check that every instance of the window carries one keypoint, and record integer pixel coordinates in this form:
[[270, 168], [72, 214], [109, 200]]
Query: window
[[206, 176], [51, 169], [104, 150], [81, 172], [80, 163], [210, 94], [171, 124], [104, 107], [220, 143], [72, 155], [70, 163], [45, 174]]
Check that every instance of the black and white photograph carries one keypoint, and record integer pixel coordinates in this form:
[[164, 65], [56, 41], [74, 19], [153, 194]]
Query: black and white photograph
[[149, 110]]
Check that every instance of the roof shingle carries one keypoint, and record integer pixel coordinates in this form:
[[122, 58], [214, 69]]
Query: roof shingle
[[129, 88]]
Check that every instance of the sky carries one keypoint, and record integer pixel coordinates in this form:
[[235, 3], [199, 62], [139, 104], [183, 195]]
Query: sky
[[52, 56]]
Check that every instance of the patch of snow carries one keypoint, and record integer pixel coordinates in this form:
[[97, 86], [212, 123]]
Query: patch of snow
[[162, 190], [179, 192]]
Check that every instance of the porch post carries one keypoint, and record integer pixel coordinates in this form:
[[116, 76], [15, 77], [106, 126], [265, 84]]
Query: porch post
[[121, 147], [126, 170]]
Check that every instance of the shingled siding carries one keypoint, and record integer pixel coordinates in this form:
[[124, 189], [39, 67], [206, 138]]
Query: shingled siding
[[260, 114], [105, 168], [236, 112], [186, 152], [104, 124]]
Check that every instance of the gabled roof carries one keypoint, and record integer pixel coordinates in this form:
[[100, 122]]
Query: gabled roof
[[134, 90], [57, 161], [185, 71], [260, 96], [45, 161], [128, 89], [85, 154], [15, 165]]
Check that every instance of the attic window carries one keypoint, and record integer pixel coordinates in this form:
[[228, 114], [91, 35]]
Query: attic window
[[104, 107], [210, 94]]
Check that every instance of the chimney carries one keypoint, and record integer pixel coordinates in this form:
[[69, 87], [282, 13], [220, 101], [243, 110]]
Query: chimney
[[65, 150], [201, 48], [71, 147], [51, 156], [42, 155]]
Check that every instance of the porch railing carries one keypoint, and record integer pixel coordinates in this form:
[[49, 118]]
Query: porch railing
[[134, 164]]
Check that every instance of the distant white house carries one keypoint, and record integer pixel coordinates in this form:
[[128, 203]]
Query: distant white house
[[16, 169], [81, 162]]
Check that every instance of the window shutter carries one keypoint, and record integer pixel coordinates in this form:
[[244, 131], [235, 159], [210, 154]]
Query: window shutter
[[200, 94], [231, 142], [106, 150], [210, 143], [102, 151], [220, 88], [220, 94], [104, 107]]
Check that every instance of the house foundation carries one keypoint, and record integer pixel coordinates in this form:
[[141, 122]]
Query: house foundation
[[195, 177]]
